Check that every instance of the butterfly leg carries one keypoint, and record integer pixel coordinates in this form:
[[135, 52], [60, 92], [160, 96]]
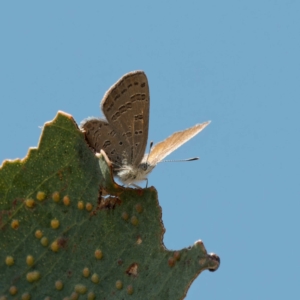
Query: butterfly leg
[[136, 186]]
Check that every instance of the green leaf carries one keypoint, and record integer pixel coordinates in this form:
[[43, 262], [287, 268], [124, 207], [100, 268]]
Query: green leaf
[[67, 230]]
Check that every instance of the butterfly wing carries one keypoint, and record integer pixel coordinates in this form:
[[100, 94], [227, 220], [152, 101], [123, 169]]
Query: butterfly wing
[[167, 146], [100, 135], [126, 107]]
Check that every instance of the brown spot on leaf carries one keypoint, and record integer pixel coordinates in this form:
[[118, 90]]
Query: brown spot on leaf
[[109, 202], [120, 262], [62, 242], [132, 270]]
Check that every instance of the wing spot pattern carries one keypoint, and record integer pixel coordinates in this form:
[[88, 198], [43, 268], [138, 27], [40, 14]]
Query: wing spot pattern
[[110, 107], [138, 97], [112, 133], [106, 144], [116, 116], [128, 105], [128, 134], [122, 109], [131, 153], [138, 117]]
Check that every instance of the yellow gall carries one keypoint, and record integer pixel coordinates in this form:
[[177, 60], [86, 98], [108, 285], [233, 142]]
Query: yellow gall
[[74, 296], [40, 196], [98, 254], [54, 246], [134, 220], [91, 296], [86, 272], [139, 240], [29, 260], [3, 298], [29, 203], [13, 290], [38, 234], [95, 278], [9, 260], [56, 196], [119, 284], [29, 277], [89, 206], [15, 224], [125, 215], [139, 208], [66, 200], [80, 289], [59, 285], [25, 296], [80, 205], [54, 223], [36, 275], [129, 290], [44, 241]]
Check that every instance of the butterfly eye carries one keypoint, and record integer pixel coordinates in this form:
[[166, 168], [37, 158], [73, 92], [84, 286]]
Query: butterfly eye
[[143, 166]]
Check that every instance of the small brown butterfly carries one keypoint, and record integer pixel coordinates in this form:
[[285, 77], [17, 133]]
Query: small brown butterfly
[[124, 134]]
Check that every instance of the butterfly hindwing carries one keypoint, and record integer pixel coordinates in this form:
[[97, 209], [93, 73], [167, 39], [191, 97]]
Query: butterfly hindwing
[[100, 135]]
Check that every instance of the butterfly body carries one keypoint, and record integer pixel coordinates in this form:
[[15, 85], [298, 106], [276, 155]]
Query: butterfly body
[[123, 134], [130, 175]]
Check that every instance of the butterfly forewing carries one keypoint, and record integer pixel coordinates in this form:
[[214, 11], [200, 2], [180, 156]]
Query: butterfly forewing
[[164, 148], [126, 107]]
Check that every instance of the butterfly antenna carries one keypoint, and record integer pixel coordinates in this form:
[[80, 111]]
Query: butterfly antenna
[[150, 147], [180, 160]]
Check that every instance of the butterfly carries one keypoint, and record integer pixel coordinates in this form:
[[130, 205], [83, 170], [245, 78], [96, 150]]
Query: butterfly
[[123, 135]]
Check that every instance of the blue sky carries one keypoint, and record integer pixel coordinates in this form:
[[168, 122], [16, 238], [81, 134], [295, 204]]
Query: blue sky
[[235, 63]]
